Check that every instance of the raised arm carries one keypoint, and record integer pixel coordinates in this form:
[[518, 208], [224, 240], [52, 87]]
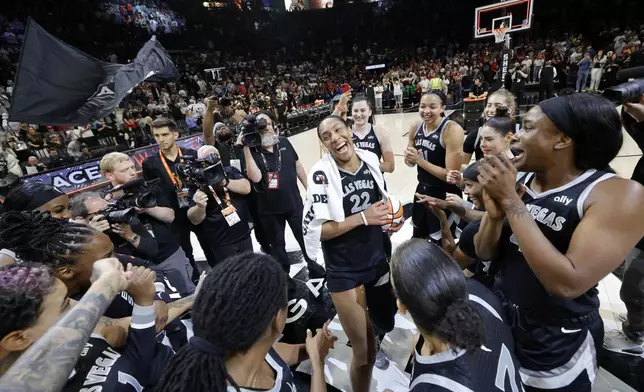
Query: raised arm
[[388, 163], [47, 364], [611, 211]]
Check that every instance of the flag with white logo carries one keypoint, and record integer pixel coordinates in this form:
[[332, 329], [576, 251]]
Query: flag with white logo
[[57, 84]]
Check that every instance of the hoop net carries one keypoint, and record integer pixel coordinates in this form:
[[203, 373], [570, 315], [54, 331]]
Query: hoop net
[[499, 34]]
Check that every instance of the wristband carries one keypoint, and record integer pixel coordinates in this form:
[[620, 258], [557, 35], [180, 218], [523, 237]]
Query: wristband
[[364, 219]]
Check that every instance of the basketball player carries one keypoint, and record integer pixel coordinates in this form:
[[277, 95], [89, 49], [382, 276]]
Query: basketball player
[[354, 253], [493, 139], [369, 137], [435, 147], [472, 144], [464, 342], [550, 243], [471, 213], [237, 318], [29, 310]]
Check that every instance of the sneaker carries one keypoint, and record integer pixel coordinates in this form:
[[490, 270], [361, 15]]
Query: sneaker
[[617, 341], [622, 317], [382, 362]]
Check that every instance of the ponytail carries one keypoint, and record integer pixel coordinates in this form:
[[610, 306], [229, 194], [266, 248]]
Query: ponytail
[[462, 326], [432, 287]]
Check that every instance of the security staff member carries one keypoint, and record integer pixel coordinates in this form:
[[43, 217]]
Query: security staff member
[[223, 212], [119, 169], [275, 167], [161, 165]]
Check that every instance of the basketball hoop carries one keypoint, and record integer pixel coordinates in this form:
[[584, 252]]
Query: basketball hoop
[[499, 34]]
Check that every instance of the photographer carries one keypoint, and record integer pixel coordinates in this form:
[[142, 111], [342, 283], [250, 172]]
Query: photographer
[[127, 233], [270, 161], [170, 259], [162, 166], [630, 340], [223, 211]]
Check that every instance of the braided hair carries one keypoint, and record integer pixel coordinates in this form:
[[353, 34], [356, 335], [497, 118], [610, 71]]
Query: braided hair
[[38, 237], [237, 302]]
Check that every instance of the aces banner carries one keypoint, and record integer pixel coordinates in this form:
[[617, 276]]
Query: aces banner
[[87, 175]]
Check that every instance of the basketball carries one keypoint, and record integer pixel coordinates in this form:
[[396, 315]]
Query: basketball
[[395, 214]]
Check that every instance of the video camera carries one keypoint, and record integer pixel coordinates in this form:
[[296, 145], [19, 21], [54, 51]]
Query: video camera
[[629, 91], [252, 128], [201, 173], [136, 194]]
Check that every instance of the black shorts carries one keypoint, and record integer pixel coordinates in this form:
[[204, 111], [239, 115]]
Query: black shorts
[[426, 224], [556, 355], [381, 301]]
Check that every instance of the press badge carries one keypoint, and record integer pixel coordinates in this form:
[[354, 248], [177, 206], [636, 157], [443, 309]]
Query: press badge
[[273, 180], [230, 213]]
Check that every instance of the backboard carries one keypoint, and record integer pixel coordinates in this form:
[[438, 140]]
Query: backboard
[[514, 14]]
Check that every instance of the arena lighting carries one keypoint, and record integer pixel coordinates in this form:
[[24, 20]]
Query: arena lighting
[[374, 66]]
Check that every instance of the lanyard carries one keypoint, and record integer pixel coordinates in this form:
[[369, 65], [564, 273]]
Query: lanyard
[[226, 202], [178, 184], [279, 159]]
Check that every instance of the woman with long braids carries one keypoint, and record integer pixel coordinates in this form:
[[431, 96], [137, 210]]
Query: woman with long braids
[[237, 317], [464, 343]]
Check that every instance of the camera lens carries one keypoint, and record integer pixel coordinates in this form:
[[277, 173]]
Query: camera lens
[[146, 200], [126, 216]]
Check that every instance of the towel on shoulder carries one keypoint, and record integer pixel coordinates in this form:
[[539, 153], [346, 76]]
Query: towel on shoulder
[[324, 196]]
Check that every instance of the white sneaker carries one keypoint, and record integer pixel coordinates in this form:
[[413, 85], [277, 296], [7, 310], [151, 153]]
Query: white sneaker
[[618, 342]]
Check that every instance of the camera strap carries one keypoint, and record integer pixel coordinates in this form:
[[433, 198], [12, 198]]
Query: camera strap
[[226, 201], [228, 210], [178, 184], [279, 159]]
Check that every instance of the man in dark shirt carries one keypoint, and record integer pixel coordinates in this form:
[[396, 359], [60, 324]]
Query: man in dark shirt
[[274, 168], [479, 89], [547, 76], [223, 211], [161, 166]]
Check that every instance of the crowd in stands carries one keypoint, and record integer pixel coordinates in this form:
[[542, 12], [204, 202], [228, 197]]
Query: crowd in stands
[[295, 78], [152, 15]]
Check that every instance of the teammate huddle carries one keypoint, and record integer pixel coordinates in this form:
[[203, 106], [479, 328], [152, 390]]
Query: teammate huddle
[[544, 201], [546, 221]]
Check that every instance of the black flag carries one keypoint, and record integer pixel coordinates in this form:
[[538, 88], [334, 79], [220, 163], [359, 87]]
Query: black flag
[[57, 84]]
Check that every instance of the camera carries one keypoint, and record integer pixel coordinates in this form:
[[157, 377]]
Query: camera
[[252, 129], [201, 173], [625, 92], [629, 91], [114, 213], [135, 195]]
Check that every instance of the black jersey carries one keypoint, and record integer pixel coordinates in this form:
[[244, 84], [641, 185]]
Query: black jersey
[[361, 248], [557, 212], [284, 379], [472, 144], [432, 149], [369, 142], [491, 368], [100, 368]]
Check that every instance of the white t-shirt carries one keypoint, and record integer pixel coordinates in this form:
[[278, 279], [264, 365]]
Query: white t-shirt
[[378, 90], [424, 85], [398, 89]]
